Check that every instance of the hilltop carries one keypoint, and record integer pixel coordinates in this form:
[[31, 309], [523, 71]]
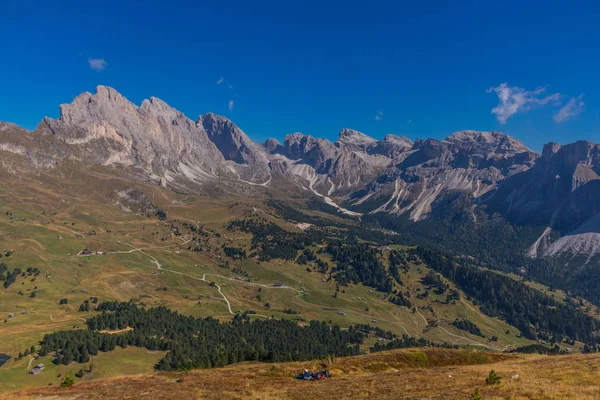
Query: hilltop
[[399, 374]]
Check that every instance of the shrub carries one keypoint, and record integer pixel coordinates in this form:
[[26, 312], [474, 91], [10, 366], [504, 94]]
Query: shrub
[[68, 381], [477, 395], [493, 378], [420, 357]]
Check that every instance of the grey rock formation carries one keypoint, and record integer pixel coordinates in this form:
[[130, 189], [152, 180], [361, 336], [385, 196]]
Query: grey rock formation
[[467, 161], [248, 159], [561, 191]]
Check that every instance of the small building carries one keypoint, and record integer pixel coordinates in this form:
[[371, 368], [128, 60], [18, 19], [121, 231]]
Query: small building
[[11, 315], [37, 369], [278, 284], [342, 313]]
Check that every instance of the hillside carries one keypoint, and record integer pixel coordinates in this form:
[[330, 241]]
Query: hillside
[[399, 374], [206, 257]]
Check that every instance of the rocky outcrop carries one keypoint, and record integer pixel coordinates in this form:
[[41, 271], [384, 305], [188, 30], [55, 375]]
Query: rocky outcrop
[[248, 159], [467, 161], [154, 136]]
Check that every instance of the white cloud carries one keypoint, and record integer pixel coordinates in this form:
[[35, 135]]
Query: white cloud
[[97, 64], [515, 99], [225, 82], [571, 109], [379, 116], [230, 105]]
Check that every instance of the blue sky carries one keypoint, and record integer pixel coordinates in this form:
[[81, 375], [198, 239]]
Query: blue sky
[[416, 68]]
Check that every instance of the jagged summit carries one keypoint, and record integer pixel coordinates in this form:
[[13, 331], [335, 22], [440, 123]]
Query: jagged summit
[[400, 140], [250, 159], [489, 142], [354, 139]]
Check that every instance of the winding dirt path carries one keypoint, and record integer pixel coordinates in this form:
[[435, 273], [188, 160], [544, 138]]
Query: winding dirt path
[[221, 293]]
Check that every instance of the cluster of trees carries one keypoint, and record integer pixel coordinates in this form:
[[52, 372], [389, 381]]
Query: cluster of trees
[[234, 252], [359, 263], [398, 262], [537, 349], [400, 300], [306, 256], [408, 341], [466, 325], [434, 280], [518, 304], [9, 277], [200, 342], [272, 241]]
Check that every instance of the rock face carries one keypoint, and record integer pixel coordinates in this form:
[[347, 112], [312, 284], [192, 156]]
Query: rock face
[[468, 161], [561, 191], [154, 136], [328, 168], [249, 160]]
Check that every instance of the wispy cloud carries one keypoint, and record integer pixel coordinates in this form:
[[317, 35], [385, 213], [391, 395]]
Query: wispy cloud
[[514, 99], [230, 105], [571, 109], [223, 81], [97, 64], [379, 116]]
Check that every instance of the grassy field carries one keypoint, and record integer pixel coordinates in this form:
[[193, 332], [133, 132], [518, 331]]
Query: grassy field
[[130, 361], [400, 374]]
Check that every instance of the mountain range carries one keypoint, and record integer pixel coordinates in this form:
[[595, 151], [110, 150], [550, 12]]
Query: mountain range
[[557, 191]]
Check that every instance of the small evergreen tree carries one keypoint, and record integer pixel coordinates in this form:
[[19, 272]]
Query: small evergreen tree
[[493, 378]]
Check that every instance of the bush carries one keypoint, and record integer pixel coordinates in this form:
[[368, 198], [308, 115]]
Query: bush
[[420, 357], [68, 381], [477, 395], [493, 378]]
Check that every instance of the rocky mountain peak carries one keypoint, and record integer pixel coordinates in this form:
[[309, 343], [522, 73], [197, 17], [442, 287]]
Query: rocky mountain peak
[[550, 149], [229, 139], [354, 139], [250, 160], [399, 140], [273, 145], [487, 142], [298, 144]]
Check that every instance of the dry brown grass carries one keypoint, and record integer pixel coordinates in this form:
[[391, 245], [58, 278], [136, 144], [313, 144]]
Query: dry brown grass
[[400, 374]]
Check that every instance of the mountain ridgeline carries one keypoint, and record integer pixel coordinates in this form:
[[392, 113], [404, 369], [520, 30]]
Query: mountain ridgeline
[[483, 194]]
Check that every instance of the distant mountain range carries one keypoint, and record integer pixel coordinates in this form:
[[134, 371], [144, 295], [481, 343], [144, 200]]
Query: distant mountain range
[[558, 190]]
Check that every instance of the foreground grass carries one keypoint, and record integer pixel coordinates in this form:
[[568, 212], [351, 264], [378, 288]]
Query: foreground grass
[[399, 374]]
